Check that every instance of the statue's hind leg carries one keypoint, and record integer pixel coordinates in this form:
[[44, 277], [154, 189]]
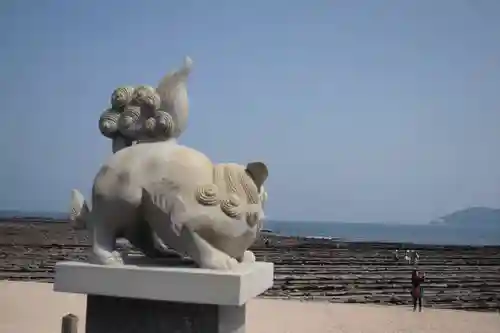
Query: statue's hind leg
[[106, 220], [103, 246], [146, 240]]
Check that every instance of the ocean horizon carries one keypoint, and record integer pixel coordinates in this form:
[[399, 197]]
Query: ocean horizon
[[390, 232], [351, 231]]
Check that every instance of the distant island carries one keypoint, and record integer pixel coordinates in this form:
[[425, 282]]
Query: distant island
[[473, 216]]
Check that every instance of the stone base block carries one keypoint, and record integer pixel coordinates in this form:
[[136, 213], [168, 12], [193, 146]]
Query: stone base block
[[172, 284], [128, 315], [149, 299]]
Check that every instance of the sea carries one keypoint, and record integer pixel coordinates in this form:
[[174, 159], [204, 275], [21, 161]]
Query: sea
[[364, 232], [390, 232]]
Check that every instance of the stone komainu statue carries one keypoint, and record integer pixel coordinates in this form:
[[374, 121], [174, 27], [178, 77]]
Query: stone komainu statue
[[157, 193]]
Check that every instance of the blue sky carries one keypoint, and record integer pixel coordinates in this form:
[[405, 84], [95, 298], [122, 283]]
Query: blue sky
[[363, 110]]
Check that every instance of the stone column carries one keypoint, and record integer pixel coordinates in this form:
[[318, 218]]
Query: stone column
[[148, 299]]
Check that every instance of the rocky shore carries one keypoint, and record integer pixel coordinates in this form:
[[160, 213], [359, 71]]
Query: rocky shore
[[457, 277]]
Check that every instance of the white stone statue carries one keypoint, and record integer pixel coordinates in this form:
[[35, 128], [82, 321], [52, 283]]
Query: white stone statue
[[158, 193]]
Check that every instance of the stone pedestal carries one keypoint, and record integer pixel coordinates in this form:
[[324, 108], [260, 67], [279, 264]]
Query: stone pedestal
[[148, 299]]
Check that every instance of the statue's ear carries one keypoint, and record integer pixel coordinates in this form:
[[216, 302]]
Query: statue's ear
[[258, 172]]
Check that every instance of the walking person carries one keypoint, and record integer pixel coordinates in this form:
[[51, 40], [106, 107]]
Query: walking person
[[416, 289]]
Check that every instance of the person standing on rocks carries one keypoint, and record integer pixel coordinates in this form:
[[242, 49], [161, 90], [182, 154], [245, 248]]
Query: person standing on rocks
[[416, 289]]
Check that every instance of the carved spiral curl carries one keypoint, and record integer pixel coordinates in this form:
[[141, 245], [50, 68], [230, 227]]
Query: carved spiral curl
[[207, 195], [150, 126], [231, 207], [147, 96], [108, 123], [128, 124], [133, 112], [121, 96], [164, 123]]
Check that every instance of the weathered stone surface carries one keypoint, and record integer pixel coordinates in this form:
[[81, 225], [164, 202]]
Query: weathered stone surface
[[165, 197]]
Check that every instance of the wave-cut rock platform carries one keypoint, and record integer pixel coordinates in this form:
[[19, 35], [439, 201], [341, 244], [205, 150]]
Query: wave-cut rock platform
[[457, 277]]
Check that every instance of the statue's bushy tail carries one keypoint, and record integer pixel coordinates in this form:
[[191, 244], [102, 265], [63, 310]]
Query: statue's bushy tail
[[79, 210], [172, 90]]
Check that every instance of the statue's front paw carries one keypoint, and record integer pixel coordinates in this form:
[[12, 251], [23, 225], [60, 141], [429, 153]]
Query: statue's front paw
[[219, 261], [117, 258], [248, 257], [113, 259]]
